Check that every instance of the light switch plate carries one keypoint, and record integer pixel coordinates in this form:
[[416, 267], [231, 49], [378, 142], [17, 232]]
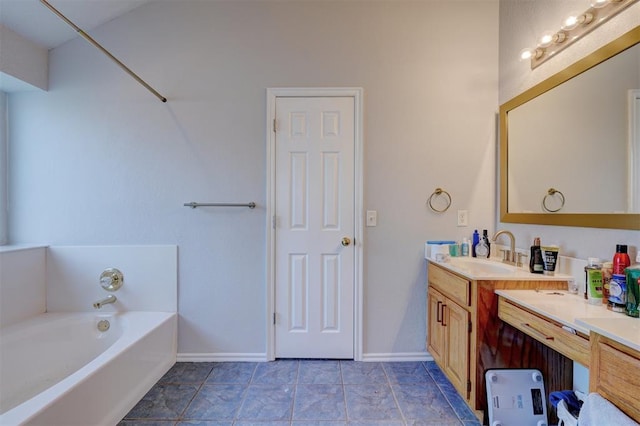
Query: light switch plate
[[372, 218], [463, 218]]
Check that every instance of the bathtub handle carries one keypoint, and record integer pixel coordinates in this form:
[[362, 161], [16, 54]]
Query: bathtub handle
[[111, 279]]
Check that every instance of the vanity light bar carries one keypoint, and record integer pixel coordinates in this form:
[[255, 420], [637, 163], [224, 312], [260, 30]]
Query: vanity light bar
[[575, 27]]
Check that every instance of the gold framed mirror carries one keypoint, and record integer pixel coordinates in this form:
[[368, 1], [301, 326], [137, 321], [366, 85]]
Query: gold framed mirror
[[544, 178]]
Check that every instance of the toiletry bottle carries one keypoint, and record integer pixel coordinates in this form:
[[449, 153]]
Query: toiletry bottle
[[618, 293], [486, 241], [633, 288], [482, 249], [474, 242], [464, 247], [618, 282], [593, 281], [607, 273], [550, 258], [621, 259], [536, 264]]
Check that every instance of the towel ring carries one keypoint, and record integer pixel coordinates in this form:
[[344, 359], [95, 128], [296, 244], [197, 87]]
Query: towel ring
[[437, 192], [553, 191]]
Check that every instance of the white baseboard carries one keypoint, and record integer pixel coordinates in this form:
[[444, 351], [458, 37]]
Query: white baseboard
[[262, 357], [222, 357], [397, 357]]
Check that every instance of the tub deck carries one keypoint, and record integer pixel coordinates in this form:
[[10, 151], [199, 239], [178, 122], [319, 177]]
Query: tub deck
[[112, 376]]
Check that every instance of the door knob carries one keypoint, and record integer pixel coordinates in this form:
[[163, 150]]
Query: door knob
[[346, 241]]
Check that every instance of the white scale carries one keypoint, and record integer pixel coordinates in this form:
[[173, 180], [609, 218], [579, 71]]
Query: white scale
[[516, 397]]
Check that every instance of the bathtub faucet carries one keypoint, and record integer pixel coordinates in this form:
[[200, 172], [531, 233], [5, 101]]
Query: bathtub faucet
[[109, 299]]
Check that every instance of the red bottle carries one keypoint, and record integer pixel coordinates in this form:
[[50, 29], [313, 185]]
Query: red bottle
[[620, 259]]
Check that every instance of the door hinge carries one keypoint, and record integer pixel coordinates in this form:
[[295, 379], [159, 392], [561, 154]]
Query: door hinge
[[468, 385], [274, 318], [273, 222], [274, 125], [470, 326]]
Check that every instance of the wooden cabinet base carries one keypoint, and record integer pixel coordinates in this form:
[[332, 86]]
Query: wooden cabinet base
[[501, 345], [492, 343], [614, 374]]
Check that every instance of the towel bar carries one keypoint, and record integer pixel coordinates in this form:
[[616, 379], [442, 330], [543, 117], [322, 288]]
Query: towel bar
[[193, 205]]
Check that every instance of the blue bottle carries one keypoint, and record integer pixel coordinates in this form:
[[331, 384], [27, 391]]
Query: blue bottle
[[474, 242]]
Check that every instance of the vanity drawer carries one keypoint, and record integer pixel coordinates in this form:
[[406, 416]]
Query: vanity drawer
[[545, 331], [451, 285]]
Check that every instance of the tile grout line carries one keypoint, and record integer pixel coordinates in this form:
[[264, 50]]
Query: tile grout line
[[444, 394], [395, 398], [344, 393], [244, 396], [181, 416], [295, 392]]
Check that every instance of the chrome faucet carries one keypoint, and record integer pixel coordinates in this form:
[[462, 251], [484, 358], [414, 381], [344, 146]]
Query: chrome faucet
[[511, 254], [109, 299]]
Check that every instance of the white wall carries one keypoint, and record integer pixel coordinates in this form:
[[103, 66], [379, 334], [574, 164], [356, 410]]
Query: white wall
[[99, 160], [521, 24]]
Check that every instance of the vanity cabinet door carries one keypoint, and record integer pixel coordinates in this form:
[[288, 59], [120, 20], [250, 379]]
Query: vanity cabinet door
[[448, 339], [457, 346], [435, 331]]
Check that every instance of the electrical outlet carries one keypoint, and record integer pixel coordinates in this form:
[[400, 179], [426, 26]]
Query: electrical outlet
[[372, 218], [463, 218]]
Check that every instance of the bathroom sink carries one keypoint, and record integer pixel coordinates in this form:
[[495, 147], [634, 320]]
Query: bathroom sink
[[479, 269], [482, 266]]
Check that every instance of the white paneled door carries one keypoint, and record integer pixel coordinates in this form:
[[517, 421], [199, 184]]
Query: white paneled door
[[314, 227]]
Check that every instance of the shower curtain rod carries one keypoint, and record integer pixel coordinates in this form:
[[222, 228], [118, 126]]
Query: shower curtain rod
[[103, 50]]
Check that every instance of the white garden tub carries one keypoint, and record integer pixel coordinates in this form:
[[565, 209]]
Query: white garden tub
[[59, 369]]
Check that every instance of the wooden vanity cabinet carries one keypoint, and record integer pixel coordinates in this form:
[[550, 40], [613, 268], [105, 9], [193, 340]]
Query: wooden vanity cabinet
[[448, 339], [466, 337], [613, 374]]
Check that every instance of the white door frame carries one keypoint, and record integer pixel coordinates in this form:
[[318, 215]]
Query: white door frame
[[356, 94]]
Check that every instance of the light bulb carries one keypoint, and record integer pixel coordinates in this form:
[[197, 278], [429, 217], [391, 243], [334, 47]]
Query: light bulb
[[571, 21], [546, 39], [528, 53], [525, 54]]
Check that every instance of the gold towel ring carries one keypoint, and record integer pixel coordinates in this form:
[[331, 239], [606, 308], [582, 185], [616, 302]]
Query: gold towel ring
[[439, 191], [553, 191]]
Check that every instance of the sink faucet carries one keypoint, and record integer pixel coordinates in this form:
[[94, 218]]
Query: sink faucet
[[109, 299], [511, 256]]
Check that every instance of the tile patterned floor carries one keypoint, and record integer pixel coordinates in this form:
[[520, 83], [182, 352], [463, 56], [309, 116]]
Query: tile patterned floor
[[302, 393]]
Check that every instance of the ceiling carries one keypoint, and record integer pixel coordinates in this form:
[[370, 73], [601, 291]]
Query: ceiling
[[34, 21]]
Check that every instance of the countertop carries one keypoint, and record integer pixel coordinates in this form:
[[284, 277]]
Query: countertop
[[482, 269], [574, 311]]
